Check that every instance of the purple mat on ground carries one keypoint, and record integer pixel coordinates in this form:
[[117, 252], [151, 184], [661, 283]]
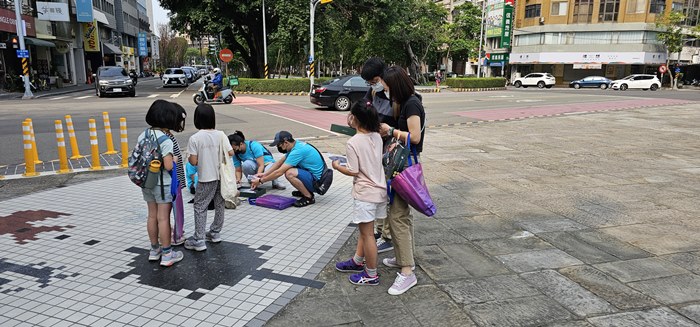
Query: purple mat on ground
[[274, 201]]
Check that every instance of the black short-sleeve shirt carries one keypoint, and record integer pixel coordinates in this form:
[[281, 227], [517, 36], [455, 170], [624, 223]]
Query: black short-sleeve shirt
[[412, 107]]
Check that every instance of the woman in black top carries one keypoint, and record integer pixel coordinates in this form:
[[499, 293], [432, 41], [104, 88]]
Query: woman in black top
[[410, 117]]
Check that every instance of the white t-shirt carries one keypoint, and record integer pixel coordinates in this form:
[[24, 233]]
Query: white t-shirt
[[166, 148], [205, 145]]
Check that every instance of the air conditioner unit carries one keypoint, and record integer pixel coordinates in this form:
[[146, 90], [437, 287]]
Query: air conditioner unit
[[541, 20]]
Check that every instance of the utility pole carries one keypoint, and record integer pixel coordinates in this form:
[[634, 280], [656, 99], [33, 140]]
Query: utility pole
[[264, 38], [25, 61], [481, 37], [312, 10]]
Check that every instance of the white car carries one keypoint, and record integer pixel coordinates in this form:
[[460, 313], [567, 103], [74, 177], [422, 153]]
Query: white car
[[175, 77], [541, 80], [637, 81]]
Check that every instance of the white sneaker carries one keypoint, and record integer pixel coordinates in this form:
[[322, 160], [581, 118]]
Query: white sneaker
[[171, 258], [402, 284]]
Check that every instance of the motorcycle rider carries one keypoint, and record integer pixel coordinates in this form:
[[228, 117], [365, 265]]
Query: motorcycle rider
[[217, 83]]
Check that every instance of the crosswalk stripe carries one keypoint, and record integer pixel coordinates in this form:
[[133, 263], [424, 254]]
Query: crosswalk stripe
[[58, 98], [85, 97], [153, 95]]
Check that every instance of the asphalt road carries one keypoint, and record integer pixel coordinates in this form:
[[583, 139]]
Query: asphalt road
[[442, 108]]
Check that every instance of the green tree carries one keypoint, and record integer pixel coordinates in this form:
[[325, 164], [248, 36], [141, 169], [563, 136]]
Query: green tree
[[671, 34], [464, 32], [193, 54]]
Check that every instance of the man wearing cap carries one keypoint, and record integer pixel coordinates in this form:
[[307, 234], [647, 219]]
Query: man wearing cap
[[302, 164]]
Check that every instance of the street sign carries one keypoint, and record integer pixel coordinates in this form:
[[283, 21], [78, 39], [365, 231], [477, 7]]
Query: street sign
[[678, 70], [226, 55], [22, 53], [662, 69], [311, 59]]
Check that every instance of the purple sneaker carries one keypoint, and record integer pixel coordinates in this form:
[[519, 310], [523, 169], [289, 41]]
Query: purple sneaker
[[364, 279], [349, 266], [402, 284]]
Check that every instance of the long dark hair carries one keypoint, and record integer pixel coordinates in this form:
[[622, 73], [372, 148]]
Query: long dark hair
[[400, 86], [366, 116], [236, 138]]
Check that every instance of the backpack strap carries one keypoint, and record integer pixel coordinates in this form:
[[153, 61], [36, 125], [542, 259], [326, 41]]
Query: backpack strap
[[160, 140], [319, 153]]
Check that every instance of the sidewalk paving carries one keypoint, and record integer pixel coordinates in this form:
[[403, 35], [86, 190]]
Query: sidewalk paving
[[53, 92], [581, 220]]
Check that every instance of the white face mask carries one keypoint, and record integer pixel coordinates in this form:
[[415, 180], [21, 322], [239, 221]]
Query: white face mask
[[378, 87]]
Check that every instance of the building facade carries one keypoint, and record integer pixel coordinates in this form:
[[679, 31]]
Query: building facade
[[572, 39]]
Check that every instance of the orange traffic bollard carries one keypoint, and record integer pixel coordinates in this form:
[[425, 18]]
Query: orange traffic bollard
[[73, 141], [36, 151], [93, 146], [125, 142], [108, 134], [29, 169], [62, 153]]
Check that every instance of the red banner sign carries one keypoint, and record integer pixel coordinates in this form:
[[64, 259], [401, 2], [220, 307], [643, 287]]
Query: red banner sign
[[8, 22]]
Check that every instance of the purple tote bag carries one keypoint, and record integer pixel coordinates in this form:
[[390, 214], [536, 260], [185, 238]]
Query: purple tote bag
[[178, 206], [410, 185]]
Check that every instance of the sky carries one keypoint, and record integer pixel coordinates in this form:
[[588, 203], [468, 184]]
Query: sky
[[160, 15]]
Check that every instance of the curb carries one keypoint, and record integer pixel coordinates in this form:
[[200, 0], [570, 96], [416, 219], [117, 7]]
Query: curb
[[37, 96], [459, 89], [274, 93]]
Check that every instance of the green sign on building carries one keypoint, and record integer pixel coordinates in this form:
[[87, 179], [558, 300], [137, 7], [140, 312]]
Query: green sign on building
[[507, 23]]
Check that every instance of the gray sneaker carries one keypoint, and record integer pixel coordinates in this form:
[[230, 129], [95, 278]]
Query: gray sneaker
[[168, 259], [213, 237], [197, 245], [154, 255]]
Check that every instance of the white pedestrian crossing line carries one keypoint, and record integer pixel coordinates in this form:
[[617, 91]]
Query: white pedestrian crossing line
[[84, 97], [58, 98], [153, 95]]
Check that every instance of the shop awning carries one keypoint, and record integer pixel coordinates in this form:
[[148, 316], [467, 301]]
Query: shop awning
[[110, 48], [39, 43], [100, 17]]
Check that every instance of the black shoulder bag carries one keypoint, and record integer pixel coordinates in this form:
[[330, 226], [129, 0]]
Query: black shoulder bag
[[322, 185]]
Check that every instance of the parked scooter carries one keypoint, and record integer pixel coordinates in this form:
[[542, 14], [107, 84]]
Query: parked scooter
[[134, 76], [224, 95]]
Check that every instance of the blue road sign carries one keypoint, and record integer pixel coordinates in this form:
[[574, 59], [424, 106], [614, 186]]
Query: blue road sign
[[311, 59], [678, 70], [22, 53]]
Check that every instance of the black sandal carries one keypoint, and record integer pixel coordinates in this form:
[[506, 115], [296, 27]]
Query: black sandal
[[297, 194], [304, 201]]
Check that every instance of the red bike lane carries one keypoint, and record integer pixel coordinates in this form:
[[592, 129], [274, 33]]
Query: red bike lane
[[320, 119]]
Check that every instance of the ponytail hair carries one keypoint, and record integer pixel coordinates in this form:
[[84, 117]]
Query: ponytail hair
[[236, 138]]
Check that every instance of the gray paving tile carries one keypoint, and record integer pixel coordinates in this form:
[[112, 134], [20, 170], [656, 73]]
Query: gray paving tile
[[475, 262], [442, 311], [551, 225], [569, 294], [570, 243], [608, 288], [527, 311], [535, 260], [671, 290], [652, 317], [509, 245], [691, 312], [640, 269], [437, 264], [689, 261], [488, 289]]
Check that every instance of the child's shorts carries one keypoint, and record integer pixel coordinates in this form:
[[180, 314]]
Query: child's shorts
[[367, 212], [153, 195]]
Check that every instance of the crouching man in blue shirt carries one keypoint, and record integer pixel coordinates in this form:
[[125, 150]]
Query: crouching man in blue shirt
[[302, 164]]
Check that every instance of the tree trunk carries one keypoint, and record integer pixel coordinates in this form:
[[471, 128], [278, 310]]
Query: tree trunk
[[414, 66]]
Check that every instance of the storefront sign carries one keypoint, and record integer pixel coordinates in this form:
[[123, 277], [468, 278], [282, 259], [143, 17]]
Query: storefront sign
[[498, 56], [53, 11], [507, 22], [8, 22], [494, 18], [155, 47], [91, 37], [143, 44], [62, 47], [623, 58], [83, 10], [588, 66]]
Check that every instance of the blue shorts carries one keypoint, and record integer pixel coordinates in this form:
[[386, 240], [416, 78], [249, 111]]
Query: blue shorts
[[305, 177]]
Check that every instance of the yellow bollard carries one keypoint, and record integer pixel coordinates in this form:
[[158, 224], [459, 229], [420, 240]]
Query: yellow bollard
[[36, 151], [62, 154], [93, 145], [125, 142], [108, 134], [73, 141], [29, 169]]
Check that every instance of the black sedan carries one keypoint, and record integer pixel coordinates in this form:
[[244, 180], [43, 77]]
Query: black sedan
[[591, 81], [340, 93]]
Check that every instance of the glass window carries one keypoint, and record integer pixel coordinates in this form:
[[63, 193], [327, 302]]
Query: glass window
[[593, 38], [553, 38], [657, 6], [560, 8], [533, 10], [528, 39], [608, 10], [630, 37], [583, 11], [636, 6]]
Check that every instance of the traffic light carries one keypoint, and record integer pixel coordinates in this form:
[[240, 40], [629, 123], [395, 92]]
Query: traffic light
[[15, 42], [212, 48]]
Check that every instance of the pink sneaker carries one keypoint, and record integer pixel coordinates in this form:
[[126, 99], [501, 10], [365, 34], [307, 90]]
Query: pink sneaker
[[402, 284]]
